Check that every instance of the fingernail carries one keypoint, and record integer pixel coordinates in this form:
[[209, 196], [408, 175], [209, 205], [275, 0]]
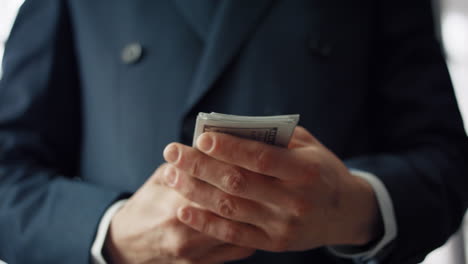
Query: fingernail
[[184, 215], [170, 175], [205, 142], [171, 153]]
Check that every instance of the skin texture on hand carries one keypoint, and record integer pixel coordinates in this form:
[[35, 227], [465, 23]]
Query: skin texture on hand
[[146, 230], [259, 196]]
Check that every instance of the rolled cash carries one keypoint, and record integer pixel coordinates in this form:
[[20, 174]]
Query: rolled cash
[[273, 130]]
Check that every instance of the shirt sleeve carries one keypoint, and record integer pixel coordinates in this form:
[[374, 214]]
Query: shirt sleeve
[[388, 219], [96, 248]]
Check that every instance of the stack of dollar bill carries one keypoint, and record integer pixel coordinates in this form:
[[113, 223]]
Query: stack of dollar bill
[[273, 130]]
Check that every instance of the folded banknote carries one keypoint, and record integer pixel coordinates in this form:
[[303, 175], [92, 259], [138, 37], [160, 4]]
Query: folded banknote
[[273, 130]]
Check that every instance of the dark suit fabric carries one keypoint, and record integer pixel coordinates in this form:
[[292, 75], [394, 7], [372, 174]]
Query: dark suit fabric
[[80, 129]]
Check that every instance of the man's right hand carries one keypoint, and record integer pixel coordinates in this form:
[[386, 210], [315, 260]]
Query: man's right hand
[[146, 230]]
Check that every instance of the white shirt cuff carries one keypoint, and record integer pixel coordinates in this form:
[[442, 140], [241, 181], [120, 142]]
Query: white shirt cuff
[[96, 248], [388, 216]]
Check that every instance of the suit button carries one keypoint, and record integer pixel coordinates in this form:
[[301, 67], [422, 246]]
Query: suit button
[[132, 53]]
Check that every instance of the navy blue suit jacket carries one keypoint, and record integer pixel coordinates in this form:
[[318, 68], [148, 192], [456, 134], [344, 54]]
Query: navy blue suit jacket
[[82, 125]]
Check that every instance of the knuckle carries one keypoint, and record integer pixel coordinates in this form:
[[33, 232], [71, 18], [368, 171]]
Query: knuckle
[[263, 160], [287, 229], [226, 207], [234, 181], [188, 192], [157, 174], [205, 226], [196, 165], [299, 208], [231, 234], [186, 188]]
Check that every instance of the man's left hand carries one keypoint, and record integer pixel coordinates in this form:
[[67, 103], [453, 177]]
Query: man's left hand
[[270, 198]]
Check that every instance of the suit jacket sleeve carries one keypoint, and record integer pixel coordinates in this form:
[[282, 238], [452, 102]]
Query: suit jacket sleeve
[[422, 154], [47, 214]]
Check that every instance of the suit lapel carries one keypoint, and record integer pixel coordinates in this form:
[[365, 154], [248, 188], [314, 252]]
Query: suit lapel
[[234, 21], [199, 14]]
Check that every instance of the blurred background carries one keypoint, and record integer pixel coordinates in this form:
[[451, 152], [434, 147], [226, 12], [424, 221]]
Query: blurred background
[[8, 11], [452, 18]]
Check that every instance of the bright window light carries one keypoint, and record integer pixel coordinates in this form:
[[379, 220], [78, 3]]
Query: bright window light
[[8, 11]]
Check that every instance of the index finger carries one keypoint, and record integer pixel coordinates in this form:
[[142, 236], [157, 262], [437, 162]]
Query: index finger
[[251, 155]]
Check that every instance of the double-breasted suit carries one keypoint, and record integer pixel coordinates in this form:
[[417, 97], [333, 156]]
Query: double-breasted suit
[[92, 92]]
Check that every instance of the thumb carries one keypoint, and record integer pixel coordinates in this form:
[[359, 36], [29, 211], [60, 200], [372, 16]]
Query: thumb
[[301, 138]]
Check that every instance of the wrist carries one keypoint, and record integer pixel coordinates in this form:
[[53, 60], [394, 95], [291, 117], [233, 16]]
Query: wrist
[[97, 249], [368, 226], [361, 220], [109, 248], [387, 228]]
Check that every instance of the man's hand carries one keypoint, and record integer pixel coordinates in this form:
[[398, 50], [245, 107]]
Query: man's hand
[[146, 230], [260, 196]]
